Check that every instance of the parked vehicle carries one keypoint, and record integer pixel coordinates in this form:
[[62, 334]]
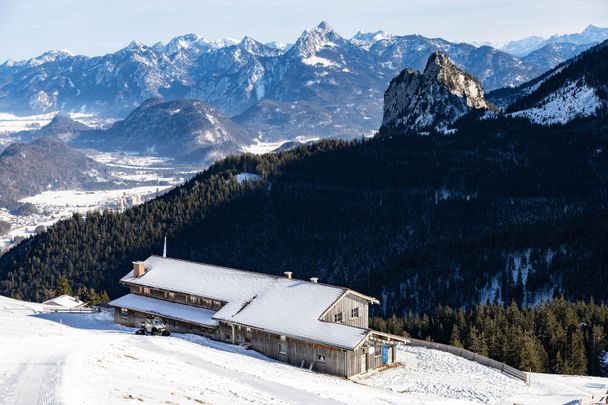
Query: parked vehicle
[[153, 326]]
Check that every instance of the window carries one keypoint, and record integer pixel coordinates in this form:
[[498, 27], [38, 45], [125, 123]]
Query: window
[[283, 345], [338, 317], [227, 336], [193, 299], [171, 295], [321, 358], [124, 313], [146, 291], [354, 313]]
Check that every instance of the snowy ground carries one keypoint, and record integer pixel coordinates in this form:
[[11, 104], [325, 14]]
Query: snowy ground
[[85, 359], [571, 101]]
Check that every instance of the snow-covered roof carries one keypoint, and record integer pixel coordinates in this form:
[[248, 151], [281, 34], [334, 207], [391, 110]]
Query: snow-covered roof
[[284, 306], [166, 309], [64, 301]]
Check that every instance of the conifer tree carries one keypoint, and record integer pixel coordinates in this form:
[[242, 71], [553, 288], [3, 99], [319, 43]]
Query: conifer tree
[[455, 337], [63, 287]]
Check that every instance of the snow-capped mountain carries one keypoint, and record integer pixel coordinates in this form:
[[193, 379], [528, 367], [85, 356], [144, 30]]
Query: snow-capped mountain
[[282, 46], [340, 77], [494, 68], [231, 78], [522, 47], [430, 101], [367, 39], [575, 89], [185, 129]]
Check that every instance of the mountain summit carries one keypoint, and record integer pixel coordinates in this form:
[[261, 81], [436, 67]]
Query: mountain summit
[[430, 101]]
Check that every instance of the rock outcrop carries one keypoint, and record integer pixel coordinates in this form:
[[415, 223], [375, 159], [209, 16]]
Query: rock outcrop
[[430, 101]]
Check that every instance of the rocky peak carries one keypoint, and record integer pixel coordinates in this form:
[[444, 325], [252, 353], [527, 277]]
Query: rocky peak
[[313, 40], [323, 27], [456, 80], [430, 101], [182, 42], [50, 56], [251, 45], [135, 46]]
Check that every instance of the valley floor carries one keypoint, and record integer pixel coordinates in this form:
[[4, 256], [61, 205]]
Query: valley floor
[[86, 359]]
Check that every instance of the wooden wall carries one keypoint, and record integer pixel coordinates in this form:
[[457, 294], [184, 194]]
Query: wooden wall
[[300, 353], [344, 305]]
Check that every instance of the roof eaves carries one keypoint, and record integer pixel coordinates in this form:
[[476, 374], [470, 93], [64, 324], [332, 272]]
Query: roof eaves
[[372, 300], [338, 346], [344, 292]]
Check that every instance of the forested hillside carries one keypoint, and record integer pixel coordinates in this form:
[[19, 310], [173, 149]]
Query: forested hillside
[[501, 211]]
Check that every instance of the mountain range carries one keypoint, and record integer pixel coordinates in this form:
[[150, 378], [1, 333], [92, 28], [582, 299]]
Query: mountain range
[[590, 35], [322, 85]]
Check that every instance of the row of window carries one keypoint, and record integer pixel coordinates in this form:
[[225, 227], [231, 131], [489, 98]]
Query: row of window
[[192, 299], [354, 313]]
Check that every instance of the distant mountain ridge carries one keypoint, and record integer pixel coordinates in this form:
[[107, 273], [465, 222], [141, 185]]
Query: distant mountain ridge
[[61, 127], [182, 129], [342, 78], [522, 47]]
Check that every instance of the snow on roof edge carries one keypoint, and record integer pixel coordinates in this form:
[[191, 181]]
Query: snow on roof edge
[[167, 309]]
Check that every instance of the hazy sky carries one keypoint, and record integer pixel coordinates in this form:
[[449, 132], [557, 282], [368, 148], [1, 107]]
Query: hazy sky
[[92, 27]]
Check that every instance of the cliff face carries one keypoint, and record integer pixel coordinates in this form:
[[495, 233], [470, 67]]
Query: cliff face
[[430, 101]]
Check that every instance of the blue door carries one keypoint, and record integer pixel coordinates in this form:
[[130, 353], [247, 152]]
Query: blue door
[[385, 354]]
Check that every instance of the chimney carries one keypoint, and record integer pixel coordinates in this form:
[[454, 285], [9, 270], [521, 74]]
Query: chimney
[[138, 269], [314, 279], [288, 274]]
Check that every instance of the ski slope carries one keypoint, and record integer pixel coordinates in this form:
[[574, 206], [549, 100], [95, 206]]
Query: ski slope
[[86, 359]]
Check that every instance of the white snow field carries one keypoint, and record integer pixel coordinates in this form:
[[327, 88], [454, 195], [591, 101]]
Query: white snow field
[[570, 101], [86, 359], [10, 123]]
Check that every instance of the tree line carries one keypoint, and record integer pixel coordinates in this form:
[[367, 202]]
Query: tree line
[[554, 337]]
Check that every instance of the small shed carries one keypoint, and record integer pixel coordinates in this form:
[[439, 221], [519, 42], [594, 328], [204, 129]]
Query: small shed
[[64, 303]]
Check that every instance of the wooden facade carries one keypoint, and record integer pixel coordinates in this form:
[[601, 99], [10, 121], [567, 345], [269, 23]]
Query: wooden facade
[[345, 309], [300, 353]]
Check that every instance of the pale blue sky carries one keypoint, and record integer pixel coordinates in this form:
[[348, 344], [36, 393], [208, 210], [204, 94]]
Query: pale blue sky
[[92, 27]]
